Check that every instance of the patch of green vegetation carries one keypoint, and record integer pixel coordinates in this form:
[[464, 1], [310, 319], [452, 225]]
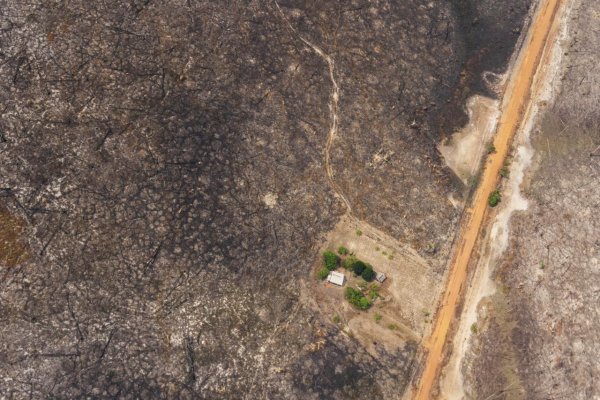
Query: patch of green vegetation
[[368, 274], [336, 319], [384, 253], [322, 274], [473, 181], [495, 198], [377, 248], [391, 257], [348, 262], [491, 148], [542, 265], [357, 299], [373, 291], [359, 232], [426, 313], [504, 171], [378, 317], [343, 251], [474, 328], [358, 267], [392, 327], [331, 260]]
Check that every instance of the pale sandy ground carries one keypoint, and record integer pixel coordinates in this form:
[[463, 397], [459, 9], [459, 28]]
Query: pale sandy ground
[[546, 85], [463, 153]]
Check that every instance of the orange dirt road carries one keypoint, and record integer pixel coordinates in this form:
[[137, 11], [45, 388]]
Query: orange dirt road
[[516, 98]]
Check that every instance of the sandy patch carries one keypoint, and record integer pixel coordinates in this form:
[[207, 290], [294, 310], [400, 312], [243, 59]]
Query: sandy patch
[[463, 152]]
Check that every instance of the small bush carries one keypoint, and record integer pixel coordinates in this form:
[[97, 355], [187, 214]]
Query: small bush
[[494, 198], [391, 257], [342, 251], [322, 274], [392, 327], [368, 274], [474, 327], [348, 262], [336, 319], [358, 232], [373, 291], [331, 260], [364, 303], [358, 267], [357, 299], [491, 148], [504, 172], [378, 317]]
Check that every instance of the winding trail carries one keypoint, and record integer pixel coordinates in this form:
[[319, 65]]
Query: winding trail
[[517, 96], [333, 109]]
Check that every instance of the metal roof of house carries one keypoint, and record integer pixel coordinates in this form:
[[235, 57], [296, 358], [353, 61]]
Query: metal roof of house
[[337, 278]]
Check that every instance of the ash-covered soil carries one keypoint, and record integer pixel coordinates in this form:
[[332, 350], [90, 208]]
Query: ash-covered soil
[[166, 159], [542, 338]]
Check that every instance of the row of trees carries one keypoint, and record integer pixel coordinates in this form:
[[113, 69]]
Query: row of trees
[[331, 261]]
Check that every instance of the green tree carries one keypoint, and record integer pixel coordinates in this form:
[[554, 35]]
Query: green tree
[[357, 299], [342, 250], [322, 274], [358, 267], [368, 274], [331, 260], [494, 198]]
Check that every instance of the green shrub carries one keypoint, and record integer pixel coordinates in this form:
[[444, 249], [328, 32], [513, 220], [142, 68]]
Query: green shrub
[[364, 303], [378, 317], [358, 267], [336, 319], [504, 172], [322, 274], [331, 260], [343, 251], [494, 198], [348, 262], [373, 291], [474, 328], [368, 274], [358, 232], [357, 299], [491, 148]]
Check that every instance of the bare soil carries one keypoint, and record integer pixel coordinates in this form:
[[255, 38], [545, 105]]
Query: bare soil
[[463, 153]]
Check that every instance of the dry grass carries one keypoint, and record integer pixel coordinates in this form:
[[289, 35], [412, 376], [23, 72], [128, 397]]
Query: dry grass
[[13, 250]]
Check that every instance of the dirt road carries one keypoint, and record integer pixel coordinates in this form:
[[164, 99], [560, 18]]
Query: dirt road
[[516, 97]]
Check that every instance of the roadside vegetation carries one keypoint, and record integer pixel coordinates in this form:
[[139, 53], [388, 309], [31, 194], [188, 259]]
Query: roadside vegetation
[[494, 198]]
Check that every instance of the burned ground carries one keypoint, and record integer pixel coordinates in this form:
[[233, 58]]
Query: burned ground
[[167, 161]]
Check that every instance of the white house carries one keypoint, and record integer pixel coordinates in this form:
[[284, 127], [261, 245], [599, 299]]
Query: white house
[[380, 277], [337, 278]]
